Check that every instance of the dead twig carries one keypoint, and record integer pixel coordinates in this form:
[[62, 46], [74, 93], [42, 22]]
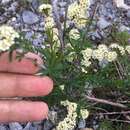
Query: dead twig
[[122, 121], [114, 113], [106, 102], [58, 23]]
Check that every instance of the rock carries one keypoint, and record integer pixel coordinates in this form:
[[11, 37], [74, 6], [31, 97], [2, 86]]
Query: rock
[[29, 17], [2, 127], [35, 4], [128, 14], [102, 23], [15, 126], [123, 28], [81, 124], [53, 116], [5, 1], [13, 6], [48, 125], [31, 126]]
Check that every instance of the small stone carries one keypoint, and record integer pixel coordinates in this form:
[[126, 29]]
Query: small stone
[[5, 1], [48, 125], [102, 23], [13, 6], [123, 28], [81, 124], [29, 126], [29, 17], [2, 127], [35, 4], [15, 126], [53, 116], [108, 4], [128, 14]]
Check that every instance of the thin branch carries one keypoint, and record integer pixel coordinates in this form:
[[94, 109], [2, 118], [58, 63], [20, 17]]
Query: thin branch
[[106, 102], [65, 20], [118, 71], [114, 113], [125, 102], [57, 21], [123, 121]]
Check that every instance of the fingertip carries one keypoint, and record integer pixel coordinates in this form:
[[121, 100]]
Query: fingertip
[[43, 114], [48, 83], [34, 56]]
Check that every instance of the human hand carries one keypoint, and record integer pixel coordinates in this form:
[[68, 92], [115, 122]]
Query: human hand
[[17, 80]]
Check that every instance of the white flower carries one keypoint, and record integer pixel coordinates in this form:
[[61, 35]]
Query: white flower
[[74, 34], [70, 121], [83, 70], [47, 7], [87, 53], [120, 48], [49, 23], [114, 45], [112, 56], [103, 48], [7, 37], [73, 10], [83, 3], [97, 54], [62, 87], [86, 62], [84, 113], [100, 53], [128, 49], [77, 13]]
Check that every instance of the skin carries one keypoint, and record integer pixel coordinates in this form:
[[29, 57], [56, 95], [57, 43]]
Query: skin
[[18, 79]]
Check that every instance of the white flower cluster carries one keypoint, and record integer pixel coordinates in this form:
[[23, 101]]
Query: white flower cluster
[[45, 8], [84, 113], [119, 47], [101, 53], [7, 37], [70, 121], [127, 48], [49, 21], [87, 54], [77, 13], [74, 34]]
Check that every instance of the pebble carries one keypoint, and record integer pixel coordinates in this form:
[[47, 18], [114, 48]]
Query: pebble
[[15, 126], [32, 24], [48, 125], [2, 127], [29, 17], [128, 14], [81, 124], [102, 23], [123, 28], [5, 1], [35, 4]]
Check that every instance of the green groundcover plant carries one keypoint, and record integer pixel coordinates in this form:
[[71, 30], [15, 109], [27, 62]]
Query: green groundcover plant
[[72, 60]]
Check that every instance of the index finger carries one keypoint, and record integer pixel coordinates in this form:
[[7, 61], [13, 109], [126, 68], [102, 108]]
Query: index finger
[[25, 66]]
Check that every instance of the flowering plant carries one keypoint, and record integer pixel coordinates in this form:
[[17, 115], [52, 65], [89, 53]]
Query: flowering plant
[[72, 60]]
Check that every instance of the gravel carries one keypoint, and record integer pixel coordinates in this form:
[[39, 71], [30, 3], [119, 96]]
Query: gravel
[[28, 20], [29, 17]]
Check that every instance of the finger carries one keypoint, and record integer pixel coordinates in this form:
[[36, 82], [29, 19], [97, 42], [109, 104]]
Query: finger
[[13, 85], [22, 111], [25, 66]]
